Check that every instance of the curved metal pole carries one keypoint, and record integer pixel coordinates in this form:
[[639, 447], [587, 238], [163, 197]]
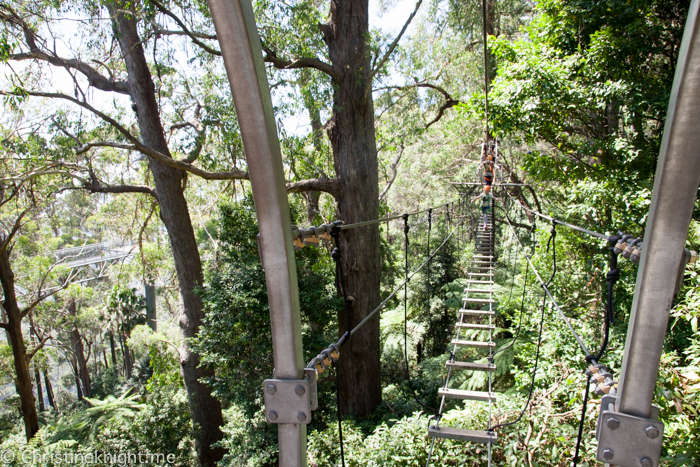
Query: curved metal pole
[[237, 32], [675, 190]]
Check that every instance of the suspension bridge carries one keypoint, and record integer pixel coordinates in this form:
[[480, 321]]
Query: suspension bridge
[[629, 432]]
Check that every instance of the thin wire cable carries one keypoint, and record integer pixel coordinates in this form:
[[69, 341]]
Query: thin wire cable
[[392, 295], [405, 318], [340, 419], [486, 69], [534, 372], [565, 224], [549, 294], [520, 321], [390, 218]]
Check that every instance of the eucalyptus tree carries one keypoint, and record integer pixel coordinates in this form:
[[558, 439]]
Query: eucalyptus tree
[[330, 43], [25, 191], [114, 39]]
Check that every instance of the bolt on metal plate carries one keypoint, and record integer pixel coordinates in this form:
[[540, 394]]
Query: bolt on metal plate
[[628, 441], [287, 401]]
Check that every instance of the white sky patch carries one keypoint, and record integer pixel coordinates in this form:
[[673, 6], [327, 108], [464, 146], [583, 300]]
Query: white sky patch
[[391, 18]]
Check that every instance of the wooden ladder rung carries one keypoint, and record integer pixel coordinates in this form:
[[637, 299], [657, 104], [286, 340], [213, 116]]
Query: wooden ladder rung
[[471, 366], [478, 290], [474, 344], [477, 327], [467, 395], [478, 300], [477, 312], [459, 434]]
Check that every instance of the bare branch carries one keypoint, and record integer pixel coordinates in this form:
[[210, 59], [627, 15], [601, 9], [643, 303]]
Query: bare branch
[[110, 144], [392, 177], [307, 62], [194, 38], [170, 32], [40, 345], [94, 77], [327, 185], [391, 48]]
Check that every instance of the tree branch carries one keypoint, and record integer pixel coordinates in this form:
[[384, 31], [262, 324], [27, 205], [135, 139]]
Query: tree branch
[[94, 186], [394, 171], [180, 23], [306, 62], [182, 165], [40, 345], [327, 185], [391, 48], [94, 77], [110, 144]]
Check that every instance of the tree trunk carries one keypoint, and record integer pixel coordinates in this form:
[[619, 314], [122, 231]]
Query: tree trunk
[[79, 350], [126, 356], [49, 390], [205, 409], [151, 314], [104, 353], [111, 345], [39, 392], [13, 326], [78, 390], [353, 140]]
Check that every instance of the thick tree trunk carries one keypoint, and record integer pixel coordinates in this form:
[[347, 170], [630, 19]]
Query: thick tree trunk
[[79, 350], [23, 381], [352, 138], [205, 409]]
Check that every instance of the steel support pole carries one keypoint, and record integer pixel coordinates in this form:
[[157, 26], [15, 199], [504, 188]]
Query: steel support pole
[[237, 33], [675, 190]]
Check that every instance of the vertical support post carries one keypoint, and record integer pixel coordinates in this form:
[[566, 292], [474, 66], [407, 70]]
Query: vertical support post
[[236, 30], [675, 190], [629, 433]]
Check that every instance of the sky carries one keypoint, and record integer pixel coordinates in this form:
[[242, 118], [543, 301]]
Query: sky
[[387, 15], [389, 19]]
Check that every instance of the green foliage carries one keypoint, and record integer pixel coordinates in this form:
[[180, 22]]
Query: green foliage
[[236, 338]]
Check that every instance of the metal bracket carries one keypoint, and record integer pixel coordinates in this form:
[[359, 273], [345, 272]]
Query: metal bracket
[[311, 376], [628, 441], [287, 401]]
